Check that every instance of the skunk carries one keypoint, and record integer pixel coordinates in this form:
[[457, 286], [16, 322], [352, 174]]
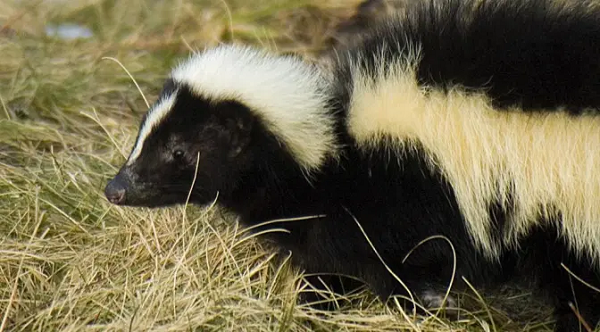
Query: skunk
[[468, 130]]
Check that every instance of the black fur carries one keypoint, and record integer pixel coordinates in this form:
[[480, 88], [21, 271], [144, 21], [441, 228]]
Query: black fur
[[530, 53], [521, 53]]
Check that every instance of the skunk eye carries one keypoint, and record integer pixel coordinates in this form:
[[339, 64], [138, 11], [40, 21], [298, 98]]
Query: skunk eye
[[178, 154]]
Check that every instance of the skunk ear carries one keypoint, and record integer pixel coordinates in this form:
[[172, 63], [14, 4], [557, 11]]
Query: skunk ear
[[239, 123], [168, 88]]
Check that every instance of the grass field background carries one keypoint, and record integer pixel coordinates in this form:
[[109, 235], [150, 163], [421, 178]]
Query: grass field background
[[69, 261]]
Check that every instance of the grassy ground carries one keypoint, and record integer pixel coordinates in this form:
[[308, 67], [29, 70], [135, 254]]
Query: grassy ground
[[69, 260]]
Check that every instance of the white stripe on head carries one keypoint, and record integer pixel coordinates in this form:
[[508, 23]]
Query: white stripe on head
[[155, 115], [287, 94]]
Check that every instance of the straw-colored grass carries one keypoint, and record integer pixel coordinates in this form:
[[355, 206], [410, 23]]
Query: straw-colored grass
[[70, 261]]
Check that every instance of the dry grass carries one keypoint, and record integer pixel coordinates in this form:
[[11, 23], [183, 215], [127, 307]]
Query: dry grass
[[69, 260]]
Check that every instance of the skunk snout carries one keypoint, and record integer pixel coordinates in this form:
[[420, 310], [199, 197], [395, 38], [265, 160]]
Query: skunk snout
[[115, 190]]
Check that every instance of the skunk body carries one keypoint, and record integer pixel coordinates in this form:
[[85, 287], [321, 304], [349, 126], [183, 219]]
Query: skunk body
[[476, 122]]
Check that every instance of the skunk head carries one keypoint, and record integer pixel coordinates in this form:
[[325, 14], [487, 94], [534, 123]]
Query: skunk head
[[199, 140], [214, 121]]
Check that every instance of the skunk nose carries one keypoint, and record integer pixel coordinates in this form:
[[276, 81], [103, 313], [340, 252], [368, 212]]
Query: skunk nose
[[115, 191]]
